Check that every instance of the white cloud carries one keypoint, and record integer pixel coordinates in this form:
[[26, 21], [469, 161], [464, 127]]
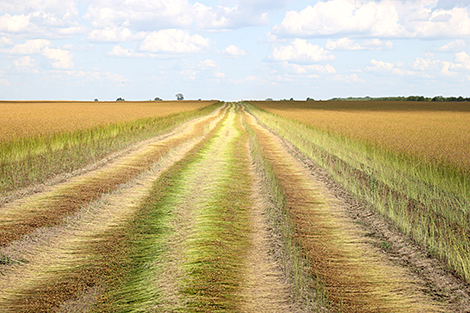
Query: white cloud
[[300, 51], [233, 51], [377, 44], [297, 69], [64, 8], [219, 75], [62, 58], [351, 78], [34, 46], [426, 66], [208, 63], [398, 68], [15, 23], [379, 19], [109, 34], [40, 19], [120, 52], [343, 44], [349, 44], [24, 62], [262, 5], [461, 64], [174, 41], [143, 15], [464, 59], [189, 74], [5, 82], [247, 79], [427, 63], [98, 75], [4, 41], [454, 46]]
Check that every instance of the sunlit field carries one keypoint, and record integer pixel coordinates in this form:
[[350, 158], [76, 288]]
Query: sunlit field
[[407, 160], [232, 207], [42, 139], [438, 132], [20, 119]]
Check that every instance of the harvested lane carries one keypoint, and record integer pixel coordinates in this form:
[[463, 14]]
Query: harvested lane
[[356, 277], [201, 244]]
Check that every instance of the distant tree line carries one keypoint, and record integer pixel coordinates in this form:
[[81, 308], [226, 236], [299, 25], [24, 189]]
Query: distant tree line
[[409, 98]]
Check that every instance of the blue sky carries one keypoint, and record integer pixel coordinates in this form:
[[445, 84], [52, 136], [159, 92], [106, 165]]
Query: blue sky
[[234, 49]]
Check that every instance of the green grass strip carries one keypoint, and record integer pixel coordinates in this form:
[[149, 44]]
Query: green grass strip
[[194, 225]]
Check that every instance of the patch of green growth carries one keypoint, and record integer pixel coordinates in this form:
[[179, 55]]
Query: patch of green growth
[[385, 245], [6, 260]]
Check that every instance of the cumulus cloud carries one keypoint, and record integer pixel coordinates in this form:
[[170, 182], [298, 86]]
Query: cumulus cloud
[[302, 52], [60, 59], [343, 44], [351, 78], [454, 46], [174, 41], [142, 15], [398, 68], [120, 52], [298, 69], [208, 63], [109, 34], [15, 23], [45, 18], [4, 41], [247, 79], [349, 44], [97, 74], [233, 51], [34, 46], [379, 19], [24, 62], [426, 66], [56, 7]]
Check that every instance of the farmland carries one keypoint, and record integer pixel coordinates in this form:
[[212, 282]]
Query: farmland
[[42, 139], [408, 160], [233, 207]]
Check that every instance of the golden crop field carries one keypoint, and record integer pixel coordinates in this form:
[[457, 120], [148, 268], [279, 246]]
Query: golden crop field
[[210, 210], [438, 132], [19, 119]]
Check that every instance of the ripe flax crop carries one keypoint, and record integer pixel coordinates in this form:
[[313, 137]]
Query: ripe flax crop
[[30, 119], [42, 139], [352, 276], [427, 196]]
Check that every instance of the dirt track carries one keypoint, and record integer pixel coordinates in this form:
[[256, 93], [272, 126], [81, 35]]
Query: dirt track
[[218, 251]]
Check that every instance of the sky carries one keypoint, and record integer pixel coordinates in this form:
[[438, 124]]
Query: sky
[[233, 49]]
